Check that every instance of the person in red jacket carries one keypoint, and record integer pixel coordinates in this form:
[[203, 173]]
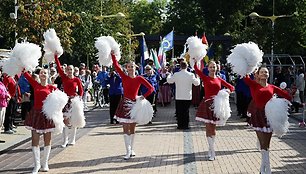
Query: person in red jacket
[[72, 87], [131, 84], [212, 85], [14, 91], [37, 122], [261, 93]]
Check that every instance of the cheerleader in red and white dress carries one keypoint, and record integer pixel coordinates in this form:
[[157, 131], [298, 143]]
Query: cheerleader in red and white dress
[[131, 84], [72, 87], [37, 121], [261, 93], [212, 85]]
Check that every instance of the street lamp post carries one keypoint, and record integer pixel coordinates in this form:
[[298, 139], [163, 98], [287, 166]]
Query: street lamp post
[[14, 16], [118, 15], [129, 36], [272, 18]]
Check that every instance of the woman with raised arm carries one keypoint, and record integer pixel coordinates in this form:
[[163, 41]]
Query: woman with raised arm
[[37, 121], [212, 85], [131, 84], [72, 87], [261, 93]]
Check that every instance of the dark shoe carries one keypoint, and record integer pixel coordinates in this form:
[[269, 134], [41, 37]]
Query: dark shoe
[[8, 132], [183, 128]]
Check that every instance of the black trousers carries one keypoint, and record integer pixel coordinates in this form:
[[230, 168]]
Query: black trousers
[[243, 102], [113, 104], [10, 114], [182, 113], [106, 95], [152, 99], [25, 108]]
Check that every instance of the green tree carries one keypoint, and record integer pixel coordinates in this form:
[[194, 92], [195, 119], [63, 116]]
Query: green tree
[[35, 18], [148, 17], [90, 27]]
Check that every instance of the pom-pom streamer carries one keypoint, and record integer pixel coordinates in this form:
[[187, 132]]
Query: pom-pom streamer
[[106, 44], [196, 49], [52, 45], [24, 55], [52, 108], [142, 111], [77, 118], [245, 58], [221, 106], [276, 111]]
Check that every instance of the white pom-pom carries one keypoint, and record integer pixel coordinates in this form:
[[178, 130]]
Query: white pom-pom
[[276, 111], [142, 111], [221, 106], [12, 66], [245, 58], [52, 45], [106, 44], [24, 55], [77, 118], [104, 54], [52, 108], [196, 49]]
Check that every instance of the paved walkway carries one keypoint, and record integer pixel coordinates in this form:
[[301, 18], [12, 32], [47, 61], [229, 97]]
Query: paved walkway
[[162, 149]]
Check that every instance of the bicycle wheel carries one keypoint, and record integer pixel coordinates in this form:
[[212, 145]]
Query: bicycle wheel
[[100, 98]]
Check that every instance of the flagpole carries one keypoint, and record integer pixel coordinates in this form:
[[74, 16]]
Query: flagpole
[[173, 44]]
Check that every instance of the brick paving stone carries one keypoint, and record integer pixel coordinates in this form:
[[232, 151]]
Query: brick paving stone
[[160, 149]]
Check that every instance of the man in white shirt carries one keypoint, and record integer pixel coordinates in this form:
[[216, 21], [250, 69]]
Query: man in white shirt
[[300, 84], [183, 94]]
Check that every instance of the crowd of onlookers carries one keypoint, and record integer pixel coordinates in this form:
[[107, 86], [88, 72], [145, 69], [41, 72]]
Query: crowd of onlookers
[[17, 95]]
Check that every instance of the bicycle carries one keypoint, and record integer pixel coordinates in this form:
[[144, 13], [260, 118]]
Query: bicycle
[[98, 94]]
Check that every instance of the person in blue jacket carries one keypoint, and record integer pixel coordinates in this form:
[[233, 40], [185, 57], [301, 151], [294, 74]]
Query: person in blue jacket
[[115, 93], [153, 79]]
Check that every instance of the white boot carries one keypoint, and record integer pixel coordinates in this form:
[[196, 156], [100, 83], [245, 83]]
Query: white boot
[[262, 165], [36, 153], [132, 136], [45, 159], [266, 161], [258, 145], [211, 148], [127, 141], [65, 136], [73, 132]]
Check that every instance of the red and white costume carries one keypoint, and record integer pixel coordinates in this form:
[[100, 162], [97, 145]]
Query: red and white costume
[[211, 86], [37, 120], [260, 96], [130, 91], [72, 86]]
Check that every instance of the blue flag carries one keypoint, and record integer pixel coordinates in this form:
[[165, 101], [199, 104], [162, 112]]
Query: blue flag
[[167, 42]]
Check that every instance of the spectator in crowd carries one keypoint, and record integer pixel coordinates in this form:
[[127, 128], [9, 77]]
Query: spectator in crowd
[[53, 74], [102, 75], [115, 93], [25, 93], [300, 84], [4, 97], [243, 95], [14, 91], [164, 94], [87, 85], [58, 80], [183, 81], [153, 79]]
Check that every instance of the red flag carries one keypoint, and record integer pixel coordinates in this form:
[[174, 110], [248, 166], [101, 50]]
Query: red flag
[[204, 40]]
